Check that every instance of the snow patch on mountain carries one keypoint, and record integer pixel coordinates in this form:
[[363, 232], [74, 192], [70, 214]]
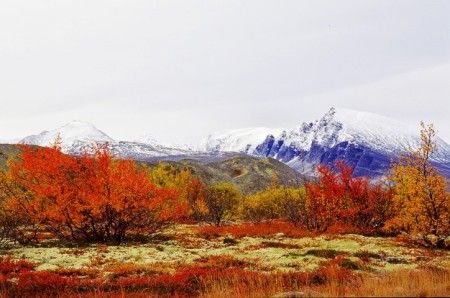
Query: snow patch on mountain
[[341, 125], [147, 138], [150, 139], [236, 140], [376, 131], [78, 136], [71, 134]]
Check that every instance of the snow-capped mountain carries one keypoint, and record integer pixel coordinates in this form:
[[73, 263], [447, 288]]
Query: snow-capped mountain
[[78, 136], [365, 141], [147, 138], [71, 134], [150, 139]]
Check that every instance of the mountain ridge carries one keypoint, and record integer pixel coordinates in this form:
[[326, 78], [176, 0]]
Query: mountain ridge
[[364, 140], [337, 126]]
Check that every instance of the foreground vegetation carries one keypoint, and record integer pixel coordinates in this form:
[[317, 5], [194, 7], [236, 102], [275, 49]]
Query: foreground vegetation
[[95, 225], [241, 260]]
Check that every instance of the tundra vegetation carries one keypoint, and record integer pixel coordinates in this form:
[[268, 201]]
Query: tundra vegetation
[[94, 225]]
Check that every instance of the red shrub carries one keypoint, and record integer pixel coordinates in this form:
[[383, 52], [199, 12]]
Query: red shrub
[[11, 268], [185, 282], [253, 230], [339, 199], [43, 282]]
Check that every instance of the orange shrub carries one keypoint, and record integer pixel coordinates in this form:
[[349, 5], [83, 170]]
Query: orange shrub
[[422, 198], [90, 198]]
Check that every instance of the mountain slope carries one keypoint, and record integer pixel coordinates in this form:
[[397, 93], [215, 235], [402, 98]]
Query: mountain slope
[[7, 151], [249, 174]]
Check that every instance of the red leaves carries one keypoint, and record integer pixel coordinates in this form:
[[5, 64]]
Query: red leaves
[[253, 230], [30, 282], [10, 268], [340, 199], [90, 198]]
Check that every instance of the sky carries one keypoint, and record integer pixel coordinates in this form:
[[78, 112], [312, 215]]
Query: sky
[[180, 70]]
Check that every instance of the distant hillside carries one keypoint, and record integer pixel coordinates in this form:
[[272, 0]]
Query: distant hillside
[[249, 174], [6, 151]]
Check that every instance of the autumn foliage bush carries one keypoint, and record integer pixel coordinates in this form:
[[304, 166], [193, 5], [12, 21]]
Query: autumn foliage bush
[[421, 201], [88, 198], [340, 199], [213, 204], [335, 202]]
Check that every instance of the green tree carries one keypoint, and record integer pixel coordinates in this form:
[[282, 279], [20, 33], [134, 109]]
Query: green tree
[[293, 204], [278, 202], [221, 203], [262, 206]]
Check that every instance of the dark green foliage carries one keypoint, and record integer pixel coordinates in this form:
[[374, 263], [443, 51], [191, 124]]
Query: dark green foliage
[[349, 264], [230, 240], [281, 245], [323, 253], [365, 255]]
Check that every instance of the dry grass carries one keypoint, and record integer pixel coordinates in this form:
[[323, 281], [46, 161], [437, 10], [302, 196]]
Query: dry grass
[[405, 283], [204, 282]]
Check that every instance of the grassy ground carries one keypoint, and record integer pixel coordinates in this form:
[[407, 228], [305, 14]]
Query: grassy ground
[[243, 260]]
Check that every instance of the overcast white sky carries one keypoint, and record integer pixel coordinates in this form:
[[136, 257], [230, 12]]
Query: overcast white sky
[[183, 69]]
